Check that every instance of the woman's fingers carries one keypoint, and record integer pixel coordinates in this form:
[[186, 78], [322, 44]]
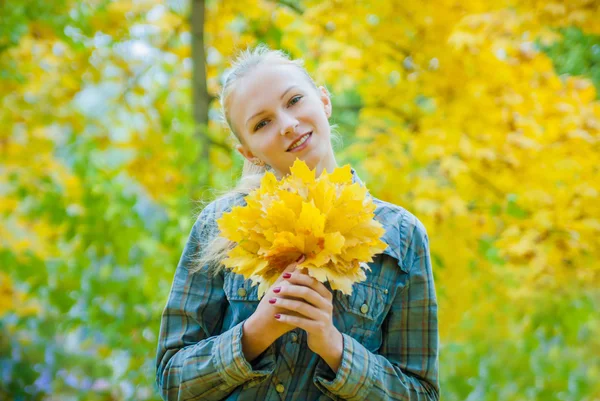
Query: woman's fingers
[[304, 293], [290, 269], [303, 301], [310, 326], [301, 307], [301, 277]]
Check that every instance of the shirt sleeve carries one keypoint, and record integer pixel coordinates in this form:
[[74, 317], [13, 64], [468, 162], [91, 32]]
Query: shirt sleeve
[[193, 360], [406, 367]]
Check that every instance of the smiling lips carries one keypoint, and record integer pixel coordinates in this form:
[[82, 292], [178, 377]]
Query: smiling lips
[[300, 141]]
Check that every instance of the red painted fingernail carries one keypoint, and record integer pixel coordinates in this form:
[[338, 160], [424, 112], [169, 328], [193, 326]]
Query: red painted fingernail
[[287, 275], [277, 316], [272, 300], [276, 289]]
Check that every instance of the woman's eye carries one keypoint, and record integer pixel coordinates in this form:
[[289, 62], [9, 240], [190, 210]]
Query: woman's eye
[[292, 102], [259, 126]]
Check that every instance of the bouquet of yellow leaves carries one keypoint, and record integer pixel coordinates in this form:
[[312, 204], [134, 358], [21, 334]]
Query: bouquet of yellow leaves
[[328, 219]]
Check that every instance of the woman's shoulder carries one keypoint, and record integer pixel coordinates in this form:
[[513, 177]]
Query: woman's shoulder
[[217, 207], [206, 221]]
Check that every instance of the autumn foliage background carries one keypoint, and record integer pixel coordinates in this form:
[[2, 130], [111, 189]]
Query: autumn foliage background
[[480, 118]]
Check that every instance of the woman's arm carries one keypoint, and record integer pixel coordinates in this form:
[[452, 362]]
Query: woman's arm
[[192, 360], [406, 367]]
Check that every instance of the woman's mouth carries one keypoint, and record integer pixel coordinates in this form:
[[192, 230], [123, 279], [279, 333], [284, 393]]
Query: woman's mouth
[[301, 144]]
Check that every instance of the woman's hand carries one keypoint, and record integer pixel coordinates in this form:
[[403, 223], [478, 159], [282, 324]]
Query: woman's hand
[[261, 330], [308, 305]]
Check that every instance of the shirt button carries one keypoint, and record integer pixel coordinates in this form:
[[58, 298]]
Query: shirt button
[[294, 337], [364, 308], [242, 292], [280, 388], [385, 291]]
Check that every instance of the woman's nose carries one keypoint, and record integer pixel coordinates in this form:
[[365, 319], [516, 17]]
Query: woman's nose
[[288, 124]]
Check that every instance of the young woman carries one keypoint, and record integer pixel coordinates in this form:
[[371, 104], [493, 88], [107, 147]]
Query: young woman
[[301, 341]]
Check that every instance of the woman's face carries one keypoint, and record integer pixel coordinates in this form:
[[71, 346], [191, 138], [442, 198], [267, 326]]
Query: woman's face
[[275, 105]]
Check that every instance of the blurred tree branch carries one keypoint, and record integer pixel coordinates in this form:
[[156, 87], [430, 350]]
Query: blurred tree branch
[[200, 96]]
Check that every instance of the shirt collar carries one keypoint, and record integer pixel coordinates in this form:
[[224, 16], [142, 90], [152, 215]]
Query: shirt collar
[[382, 215], [356, 179]]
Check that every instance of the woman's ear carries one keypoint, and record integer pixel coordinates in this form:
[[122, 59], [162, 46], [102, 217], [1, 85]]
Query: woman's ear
[[326, 100], [244, 152]]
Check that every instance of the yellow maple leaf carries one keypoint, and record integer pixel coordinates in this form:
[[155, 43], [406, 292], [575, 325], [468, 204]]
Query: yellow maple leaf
[[327, 219]]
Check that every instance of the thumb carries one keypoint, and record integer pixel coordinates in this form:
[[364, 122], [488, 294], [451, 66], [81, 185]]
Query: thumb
[[292, 266]]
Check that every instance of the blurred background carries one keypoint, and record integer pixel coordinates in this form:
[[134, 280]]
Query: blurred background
[[482, 118]]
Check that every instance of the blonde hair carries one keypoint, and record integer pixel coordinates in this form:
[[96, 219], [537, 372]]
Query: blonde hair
[[215, 249]]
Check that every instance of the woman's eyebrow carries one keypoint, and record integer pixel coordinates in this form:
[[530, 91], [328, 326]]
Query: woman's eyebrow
[[264, 111]]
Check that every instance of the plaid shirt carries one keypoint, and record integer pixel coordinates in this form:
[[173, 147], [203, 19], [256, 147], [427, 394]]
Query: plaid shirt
[[389, 328]]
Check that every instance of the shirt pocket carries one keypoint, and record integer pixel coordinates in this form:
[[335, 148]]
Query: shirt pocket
[[242, 297], [365, 307]]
